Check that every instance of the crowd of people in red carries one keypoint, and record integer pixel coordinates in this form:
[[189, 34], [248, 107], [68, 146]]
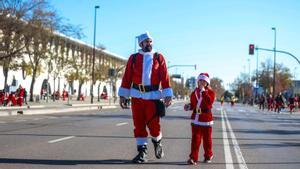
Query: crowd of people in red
[[15, 98], [19, 96], [279, 102]]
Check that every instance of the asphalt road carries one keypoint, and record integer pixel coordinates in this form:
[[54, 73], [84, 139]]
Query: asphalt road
[[243, 137]]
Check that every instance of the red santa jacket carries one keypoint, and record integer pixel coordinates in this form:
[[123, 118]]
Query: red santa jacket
[[205, 99], [146, 70]]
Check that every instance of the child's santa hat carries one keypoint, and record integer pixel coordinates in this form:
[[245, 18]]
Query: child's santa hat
[[204, 76]]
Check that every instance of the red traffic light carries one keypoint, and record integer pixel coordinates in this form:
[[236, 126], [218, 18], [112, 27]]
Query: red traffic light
[[251, 49]]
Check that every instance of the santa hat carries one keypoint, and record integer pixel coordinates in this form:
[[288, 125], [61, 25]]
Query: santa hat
[[143, 37], [204, 76]]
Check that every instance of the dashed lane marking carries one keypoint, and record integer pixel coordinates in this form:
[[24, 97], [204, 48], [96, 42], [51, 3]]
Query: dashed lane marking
[[61, 139], [121, 124], [20, 120]]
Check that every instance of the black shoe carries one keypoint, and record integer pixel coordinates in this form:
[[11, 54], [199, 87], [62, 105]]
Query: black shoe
[[142, 155], [159, 153], [208, 159]]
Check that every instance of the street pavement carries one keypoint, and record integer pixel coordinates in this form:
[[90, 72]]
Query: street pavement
[[243, 137]]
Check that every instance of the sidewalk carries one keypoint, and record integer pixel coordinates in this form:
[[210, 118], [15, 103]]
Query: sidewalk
[[57, 106]]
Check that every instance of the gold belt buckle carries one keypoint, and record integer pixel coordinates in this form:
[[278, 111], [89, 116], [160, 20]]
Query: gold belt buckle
[[142, 88], [199, 111]]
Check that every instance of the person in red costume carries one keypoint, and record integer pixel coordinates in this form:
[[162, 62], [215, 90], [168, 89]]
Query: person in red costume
[[146, 81], [201, 101], [20, 94]]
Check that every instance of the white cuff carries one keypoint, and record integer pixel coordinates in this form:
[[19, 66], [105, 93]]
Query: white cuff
[[167, 92], [141, 141], [124, 92], [158, 137]]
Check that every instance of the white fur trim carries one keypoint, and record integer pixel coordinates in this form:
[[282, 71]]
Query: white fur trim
[[143, 37], [158, 137], [200, 123], [124, 92], [201, 77], [147, 68], [141, 141], [167, 92]]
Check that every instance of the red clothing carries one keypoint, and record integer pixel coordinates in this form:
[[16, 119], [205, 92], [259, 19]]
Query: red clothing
[[199, 132], [149, 69], [201, 122], [270, 102], [291, 103], [207, 99], [20, 94], [142, 112]]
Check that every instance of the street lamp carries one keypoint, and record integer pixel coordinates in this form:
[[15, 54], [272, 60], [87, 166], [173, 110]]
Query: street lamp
[[93, 67], [274, 71]]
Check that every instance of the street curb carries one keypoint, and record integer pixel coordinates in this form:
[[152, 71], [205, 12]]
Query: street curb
[[53, 110]]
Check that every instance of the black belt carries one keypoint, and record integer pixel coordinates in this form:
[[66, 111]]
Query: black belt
[[143, 88], [203, 111]]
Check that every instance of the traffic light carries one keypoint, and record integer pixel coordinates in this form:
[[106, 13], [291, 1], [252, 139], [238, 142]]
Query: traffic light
[[251, 49], [176, 76], [111, 72]]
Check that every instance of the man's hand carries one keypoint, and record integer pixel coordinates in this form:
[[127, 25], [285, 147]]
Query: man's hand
[[122, 102], [168, 101]]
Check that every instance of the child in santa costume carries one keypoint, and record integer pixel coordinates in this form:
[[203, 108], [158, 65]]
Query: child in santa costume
[[201, 101], [146, 81]]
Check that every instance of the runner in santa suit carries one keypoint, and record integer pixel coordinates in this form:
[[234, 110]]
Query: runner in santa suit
[[146, 81], [201, 101]]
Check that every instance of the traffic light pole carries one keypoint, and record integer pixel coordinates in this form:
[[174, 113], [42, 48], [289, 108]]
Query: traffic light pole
[[279, 51], [181, 66]]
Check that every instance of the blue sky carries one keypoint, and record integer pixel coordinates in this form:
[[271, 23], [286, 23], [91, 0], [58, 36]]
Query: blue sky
[[212, 34]]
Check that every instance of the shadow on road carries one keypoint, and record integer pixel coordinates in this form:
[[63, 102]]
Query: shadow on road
[[80, 162], [111, 162]]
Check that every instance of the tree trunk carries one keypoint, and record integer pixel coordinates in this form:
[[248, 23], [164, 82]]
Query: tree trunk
[[53, 89], [59, 84], [99, 91], [32, 84], [5, 73], [79, 90]]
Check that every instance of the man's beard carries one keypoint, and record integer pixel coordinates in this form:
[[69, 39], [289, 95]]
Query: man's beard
[[148, 48]]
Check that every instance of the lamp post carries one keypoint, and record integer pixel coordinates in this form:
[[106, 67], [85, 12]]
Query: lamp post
[[274, 71], [93, 66]]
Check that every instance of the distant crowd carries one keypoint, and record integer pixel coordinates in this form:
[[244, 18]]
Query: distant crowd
[[279, 102]]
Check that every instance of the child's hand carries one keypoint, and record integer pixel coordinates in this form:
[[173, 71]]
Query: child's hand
[[187, 107]]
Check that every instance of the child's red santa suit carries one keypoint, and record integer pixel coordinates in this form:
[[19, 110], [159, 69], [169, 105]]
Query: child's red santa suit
[[201, 102]]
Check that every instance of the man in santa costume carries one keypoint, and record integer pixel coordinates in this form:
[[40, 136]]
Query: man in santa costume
[[146, 81], [201, 101]]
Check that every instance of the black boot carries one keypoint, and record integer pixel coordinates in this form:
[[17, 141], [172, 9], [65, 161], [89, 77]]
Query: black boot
[[159, 153], [142, 155]]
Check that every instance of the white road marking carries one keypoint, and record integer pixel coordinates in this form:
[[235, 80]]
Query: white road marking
[[37, 118], [2, 122], [121, 124], [20, 120], [61, 139], [236, 147], [228, 156]]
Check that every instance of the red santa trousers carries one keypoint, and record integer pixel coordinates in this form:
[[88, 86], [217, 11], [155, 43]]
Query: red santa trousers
[[143, 113], [198, 133]]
